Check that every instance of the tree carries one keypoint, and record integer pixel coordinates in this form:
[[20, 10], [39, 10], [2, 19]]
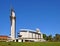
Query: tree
[[57, 37], [49, 38], [45, 36]]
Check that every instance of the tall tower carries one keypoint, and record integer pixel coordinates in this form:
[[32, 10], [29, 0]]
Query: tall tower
[[13, 25]]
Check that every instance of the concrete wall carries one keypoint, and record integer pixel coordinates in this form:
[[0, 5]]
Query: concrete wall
[[30, 35], [24, 34]]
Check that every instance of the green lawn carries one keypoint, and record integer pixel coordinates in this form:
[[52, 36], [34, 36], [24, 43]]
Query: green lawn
[[30, 44]]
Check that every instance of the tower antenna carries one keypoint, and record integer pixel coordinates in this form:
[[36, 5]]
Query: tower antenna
[[11, 6]]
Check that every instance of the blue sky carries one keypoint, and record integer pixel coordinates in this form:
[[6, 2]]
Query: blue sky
[[31, 14]]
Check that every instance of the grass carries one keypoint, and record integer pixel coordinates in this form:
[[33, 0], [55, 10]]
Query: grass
[[30, 44]]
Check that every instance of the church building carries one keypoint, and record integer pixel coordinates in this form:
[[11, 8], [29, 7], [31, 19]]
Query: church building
[[25, 35]]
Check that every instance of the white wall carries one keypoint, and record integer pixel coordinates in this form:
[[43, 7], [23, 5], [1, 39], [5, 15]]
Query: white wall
[[30, 35], [19, 40], [24, 34], [36, 35], [33, 35], [39, 36]]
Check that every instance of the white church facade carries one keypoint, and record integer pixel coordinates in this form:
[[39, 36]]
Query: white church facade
[[26, 35]]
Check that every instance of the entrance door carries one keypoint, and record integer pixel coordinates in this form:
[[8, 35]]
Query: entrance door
[[22, 40], [16, 40]]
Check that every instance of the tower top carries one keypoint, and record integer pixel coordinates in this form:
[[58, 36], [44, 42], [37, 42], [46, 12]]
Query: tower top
[[12, 12], [12, 9]]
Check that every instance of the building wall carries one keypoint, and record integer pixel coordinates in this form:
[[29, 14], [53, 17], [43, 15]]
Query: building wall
[[3, 38], [39, 36], [30, 35], [24, 34], [33, 35]]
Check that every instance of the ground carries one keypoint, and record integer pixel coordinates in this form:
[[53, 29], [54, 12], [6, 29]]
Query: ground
[[30, 44]]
